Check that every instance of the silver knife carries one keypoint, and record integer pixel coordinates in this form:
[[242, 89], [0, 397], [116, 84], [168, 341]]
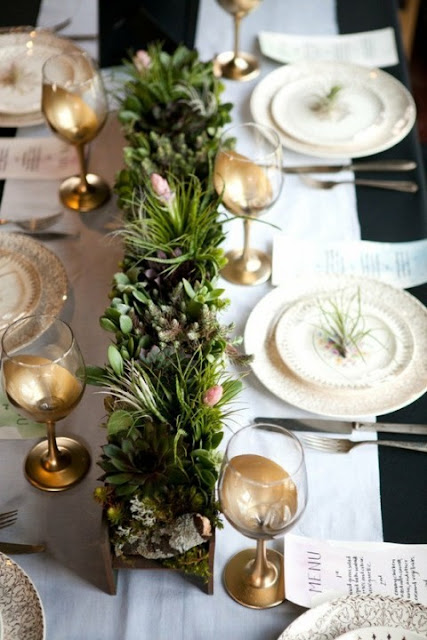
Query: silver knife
[[14, 547], [342, 426], [374, 165]]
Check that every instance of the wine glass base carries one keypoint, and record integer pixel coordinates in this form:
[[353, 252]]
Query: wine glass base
[[97, 194], [242, 67], [254, 271], [237, 580], [71, 474]]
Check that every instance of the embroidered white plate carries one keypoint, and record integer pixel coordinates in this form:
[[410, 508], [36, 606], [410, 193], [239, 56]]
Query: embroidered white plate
[[381, 633], [351, 116], [20, 605], [384, 352], [397, 116], [329, 621], [22, 55], [380, 397]]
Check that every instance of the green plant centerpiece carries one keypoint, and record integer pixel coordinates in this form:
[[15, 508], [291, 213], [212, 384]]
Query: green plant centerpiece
[[167, 389]]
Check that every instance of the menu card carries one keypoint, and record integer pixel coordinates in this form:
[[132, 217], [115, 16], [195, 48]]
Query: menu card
[[402, 264], [36, 158], [318, 570], [16, 427], [368, 48]]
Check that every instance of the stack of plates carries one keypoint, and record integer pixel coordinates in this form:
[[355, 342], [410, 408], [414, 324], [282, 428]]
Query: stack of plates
[[370, 617], [371, 111], [23, 51], [293, 358]]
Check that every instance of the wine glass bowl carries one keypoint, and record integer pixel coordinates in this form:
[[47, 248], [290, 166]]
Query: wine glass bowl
[[263, 492], [43, 376], [237, 65], [248, 176], [75, 107]]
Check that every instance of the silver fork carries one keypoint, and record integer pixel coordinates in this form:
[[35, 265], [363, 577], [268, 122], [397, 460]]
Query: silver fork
[[343, 445], [7, 518], [406, 186], [34, 224]]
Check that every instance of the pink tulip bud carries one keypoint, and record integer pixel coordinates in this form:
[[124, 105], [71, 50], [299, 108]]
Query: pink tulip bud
[[161, 186], [213, 395], [142, 60]]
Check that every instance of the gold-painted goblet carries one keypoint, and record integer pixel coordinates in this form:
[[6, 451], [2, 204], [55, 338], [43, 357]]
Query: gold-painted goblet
[[43, 376], [75, 106], [248, 174], [263, 492], [237, 65]]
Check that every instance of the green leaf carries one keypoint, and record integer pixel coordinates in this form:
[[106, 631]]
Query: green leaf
[[119, 420], [126, 324], [119, 478], [107, 324], [115, 359], [95, 375]]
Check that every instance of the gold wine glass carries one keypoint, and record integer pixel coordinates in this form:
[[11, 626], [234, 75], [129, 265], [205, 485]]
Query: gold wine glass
[[43, 375], [263, 492], [74, 104], [236, 65], [248, 174]]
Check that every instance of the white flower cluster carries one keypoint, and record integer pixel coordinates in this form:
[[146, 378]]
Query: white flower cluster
[[142, 513]]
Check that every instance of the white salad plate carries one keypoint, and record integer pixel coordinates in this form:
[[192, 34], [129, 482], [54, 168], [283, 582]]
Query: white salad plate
[[310, 378], [21, 609], [385, 347], [23, 51], [355, 617], [372, 111]]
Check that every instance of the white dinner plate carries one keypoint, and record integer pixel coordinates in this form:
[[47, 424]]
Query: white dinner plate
[[23, 51], [329, 621], [408, 382], [20, 605], [389, 110], [45, 289]]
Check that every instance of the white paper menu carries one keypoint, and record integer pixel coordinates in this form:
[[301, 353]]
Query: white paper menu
[[368, 48], [36, 158], [318, 570], [402, 264]]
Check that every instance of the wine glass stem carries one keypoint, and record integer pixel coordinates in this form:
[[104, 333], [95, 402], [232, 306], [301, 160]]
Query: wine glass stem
[[237, 20], [83, 186], [246, 240], [263, 573], [52, 461]]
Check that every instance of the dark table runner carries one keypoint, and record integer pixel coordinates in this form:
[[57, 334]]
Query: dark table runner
[[384, 216], [395, 217]]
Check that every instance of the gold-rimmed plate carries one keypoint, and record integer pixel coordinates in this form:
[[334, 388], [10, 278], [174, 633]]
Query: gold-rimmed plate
[[23, 51], [36, 272]]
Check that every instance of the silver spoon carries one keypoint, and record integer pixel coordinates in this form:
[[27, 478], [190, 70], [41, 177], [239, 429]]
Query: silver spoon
[[34, 224]]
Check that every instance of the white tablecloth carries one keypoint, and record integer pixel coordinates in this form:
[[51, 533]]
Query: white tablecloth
[[71, 576]]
